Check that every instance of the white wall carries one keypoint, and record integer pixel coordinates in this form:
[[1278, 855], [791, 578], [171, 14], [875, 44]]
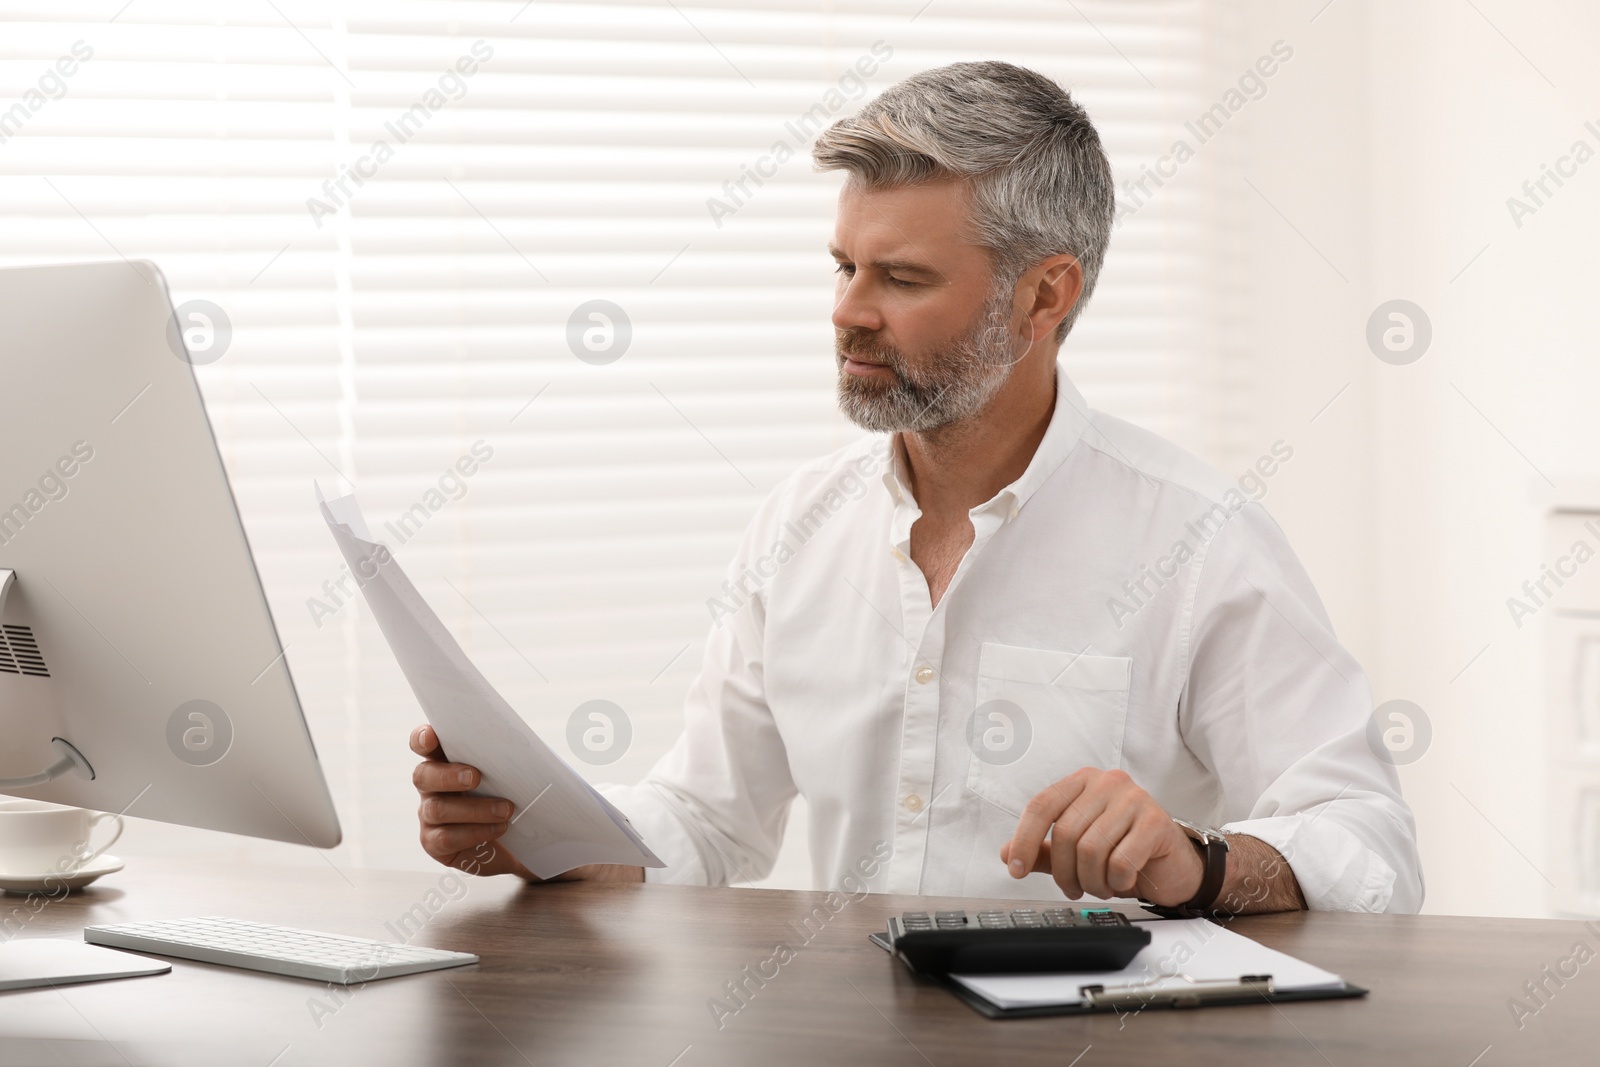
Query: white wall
[[1460, 507], [1393, 150]]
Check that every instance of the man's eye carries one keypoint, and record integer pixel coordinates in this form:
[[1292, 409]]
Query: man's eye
[[844, 268], [901, 283]]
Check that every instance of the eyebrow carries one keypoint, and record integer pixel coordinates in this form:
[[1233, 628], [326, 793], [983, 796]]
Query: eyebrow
[[891, 266]]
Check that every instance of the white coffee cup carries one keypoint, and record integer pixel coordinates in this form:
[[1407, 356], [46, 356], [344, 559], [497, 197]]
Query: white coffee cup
[[39, 838]]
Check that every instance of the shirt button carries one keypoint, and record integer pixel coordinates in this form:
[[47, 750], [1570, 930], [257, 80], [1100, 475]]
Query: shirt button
[[924, 674], [913, 803], [899, 555]]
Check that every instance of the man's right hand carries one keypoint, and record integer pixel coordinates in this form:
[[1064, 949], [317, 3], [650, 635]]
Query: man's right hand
[[464, 832], [455, 827]]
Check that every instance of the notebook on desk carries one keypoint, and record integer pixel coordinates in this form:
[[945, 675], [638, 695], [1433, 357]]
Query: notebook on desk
[[1188, 963]]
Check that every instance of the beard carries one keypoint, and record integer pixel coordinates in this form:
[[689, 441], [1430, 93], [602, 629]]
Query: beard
[[950, 383]]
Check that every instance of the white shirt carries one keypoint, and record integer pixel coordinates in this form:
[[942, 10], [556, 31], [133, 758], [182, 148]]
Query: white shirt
[[1212, 677]]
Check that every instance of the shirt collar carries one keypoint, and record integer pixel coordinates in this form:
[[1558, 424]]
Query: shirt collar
[[1068, 422]]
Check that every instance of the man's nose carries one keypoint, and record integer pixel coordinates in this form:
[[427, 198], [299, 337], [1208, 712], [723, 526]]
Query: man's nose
[[853, 311]]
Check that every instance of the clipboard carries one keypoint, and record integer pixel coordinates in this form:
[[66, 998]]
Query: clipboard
[[1249, 989], [1134, 993]]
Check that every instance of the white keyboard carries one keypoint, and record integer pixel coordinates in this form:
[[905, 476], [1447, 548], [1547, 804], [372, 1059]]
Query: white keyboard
[[275, 949]]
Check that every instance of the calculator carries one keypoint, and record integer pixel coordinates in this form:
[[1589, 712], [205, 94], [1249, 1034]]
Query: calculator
[[1016, 941]]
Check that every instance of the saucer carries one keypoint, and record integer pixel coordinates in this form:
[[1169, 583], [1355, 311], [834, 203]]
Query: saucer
[[51, 882]]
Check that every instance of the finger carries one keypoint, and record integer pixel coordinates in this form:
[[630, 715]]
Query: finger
[[445, 841], [1067, 834], [1100, 839], [424, 742], [1038, 817], [1125, 868], [1041, 862], [440, 809], [445, 777]]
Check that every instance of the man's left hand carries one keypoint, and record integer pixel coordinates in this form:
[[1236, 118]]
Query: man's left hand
[[1106, 837]]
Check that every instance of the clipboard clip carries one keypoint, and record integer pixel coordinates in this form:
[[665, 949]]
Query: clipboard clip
[[1196, 994]]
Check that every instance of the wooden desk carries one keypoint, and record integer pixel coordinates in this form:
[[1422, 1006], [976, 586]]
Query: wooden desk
[[599, 975]]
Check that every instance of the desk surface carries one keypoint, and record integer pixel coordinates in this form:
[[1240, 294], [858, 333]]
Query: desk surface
[[600, 975]]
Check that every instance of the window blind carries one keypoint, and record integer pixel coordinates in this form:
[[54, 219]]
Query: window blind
[[545, 283]]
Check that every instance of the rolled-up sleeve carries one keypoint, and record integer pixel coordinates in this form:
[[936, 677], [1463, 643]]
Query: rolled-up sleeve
[[1278, 710]]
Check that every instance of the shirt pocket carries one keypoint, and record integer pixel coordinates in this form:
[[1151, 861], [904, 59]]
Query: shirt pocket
[[1041, 715]]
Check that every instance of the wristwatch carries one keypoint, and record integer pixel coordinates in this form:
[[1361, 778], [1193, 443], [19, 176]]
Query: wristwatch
[[1213, 846]]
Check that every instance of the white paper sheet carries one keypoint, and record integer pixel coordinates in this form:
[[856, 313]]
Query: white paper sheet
[[561, 822], [1195, 948]]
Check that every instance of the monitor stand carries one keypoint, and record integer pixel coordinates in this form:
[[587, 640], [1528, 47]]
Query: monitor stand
[[68, 758]]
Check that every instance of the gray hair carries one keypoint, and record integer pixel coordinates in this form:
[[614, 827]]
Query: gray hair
[[1041, 183]]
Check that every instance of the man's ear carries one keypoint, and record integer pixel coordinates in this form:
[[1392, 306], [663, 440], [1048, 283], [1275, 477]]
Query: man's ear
[[1049, 291]]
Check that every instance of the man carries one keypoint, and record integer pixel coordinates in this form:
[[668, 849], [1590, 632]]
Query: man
[[1013, 637]]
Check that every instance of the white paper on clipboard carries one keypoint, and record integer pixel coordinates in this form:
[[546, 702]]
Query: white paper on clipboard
[[561, 821], [1180, 952]]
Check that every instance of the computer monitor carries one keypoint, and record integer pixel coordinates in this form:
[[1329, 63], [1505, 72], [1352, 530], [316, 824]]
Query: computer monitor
[[140, 671]]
